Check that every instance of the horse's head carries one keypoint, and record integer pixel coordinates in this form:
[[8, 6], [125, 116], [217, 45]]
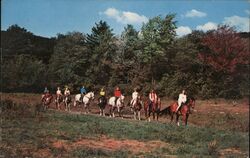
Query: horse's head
[[91, 95], [191, 102], [122, 97]]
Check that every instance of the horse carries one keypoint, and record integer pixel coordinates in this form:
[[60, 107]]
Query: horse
[[46, 100], [152, 107], [136, 107], [67, 101], [119, 105], [102, 102], [58, 101], [85, 100], [185, 110]]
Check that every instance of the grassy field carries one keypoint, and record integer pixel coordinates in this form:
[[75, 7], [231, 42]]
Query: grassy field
[[28, 131]]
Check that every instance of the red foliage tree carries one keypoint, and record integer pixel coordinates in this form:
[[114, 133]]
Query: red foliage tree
[[225, 49]]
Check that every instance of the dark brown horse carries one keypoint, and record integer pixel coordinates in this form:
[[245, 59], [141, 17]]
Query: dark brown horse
[[184, 110], [46, 100], [152, 107], [58, 101]]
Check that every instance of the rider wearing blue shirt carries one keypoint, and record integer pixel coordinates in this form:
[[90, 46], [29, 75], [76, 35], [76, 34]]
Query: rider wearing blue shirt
[[83, 92]]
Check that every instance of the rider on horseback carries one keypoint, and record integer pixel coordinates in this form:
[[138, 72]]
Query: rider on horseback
[[46, 90], [83, 92], [181, 100], [135, 96], [102, 95], [153, 97], [46, 93], [67, 92], [58, 92], [117, 94]]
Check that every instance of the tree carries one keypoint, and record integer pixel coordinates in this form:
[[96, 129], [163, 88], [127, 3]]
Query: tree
[[158, 36], [69, 62], [23, 74], [225, 50], [228, 55], [101, 44]]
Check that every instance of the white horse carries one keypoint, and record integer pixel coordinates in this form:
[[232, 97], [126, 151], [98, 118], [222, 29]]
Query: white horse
[[85, 100], [119, 105]]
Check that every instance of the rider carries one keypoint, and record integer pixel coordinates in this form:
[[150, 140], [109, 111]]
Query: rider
[[152, 97], [182, 99], [83, 92], [102, 93], [66, 92], [58, 92], [46, 90], [135, 95], [45, 93], [117, 94]]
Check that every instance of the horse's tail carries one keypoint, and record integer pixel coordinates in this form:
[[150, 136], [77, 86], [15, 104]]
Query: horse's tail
[[165, 111]]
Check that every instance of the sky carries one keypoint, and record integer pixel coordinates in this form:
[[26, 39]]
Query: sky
[[49, 17]]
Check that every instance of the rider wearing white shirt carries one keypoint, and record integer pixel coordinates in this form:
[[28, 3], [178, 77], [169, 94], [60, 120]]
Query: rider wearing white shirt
[[58, 92], [182, 99], [135, 95]]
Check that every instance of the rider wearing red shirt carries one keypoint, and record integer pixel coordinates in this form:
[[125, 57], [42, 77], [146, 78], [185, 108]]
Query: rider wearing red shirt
[[117, 94]]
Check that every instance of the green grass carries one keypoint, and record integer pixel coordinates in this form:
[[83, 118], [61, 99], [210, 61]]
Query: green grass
[[33, 130]]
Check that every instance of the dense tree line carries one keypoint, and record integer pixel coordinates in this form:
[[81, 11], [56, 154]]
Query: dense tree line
[[207, 64]]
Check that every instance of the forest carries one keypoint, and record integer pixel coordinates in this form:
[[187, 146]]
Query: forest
[[212, 64]]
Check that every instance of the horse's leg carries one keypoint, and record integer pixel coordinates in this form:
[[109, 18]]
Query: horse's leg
[[186, 120], [100, 111], [157, 115], [69, 107], [139, 115], [110, 110], [85, 107], [103, 114], [58, 105], [153, 114], [88, 108], [113, 111], [134, 114], [172, 117], [146, 113], [120, 113], [149, 113], [177, 119]]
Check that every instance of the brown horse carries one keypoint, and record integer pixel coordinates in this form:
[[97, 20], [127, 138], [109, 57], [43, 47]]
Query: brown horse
[[136, 108], [46, 100], [184, 110], [152, 107]]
